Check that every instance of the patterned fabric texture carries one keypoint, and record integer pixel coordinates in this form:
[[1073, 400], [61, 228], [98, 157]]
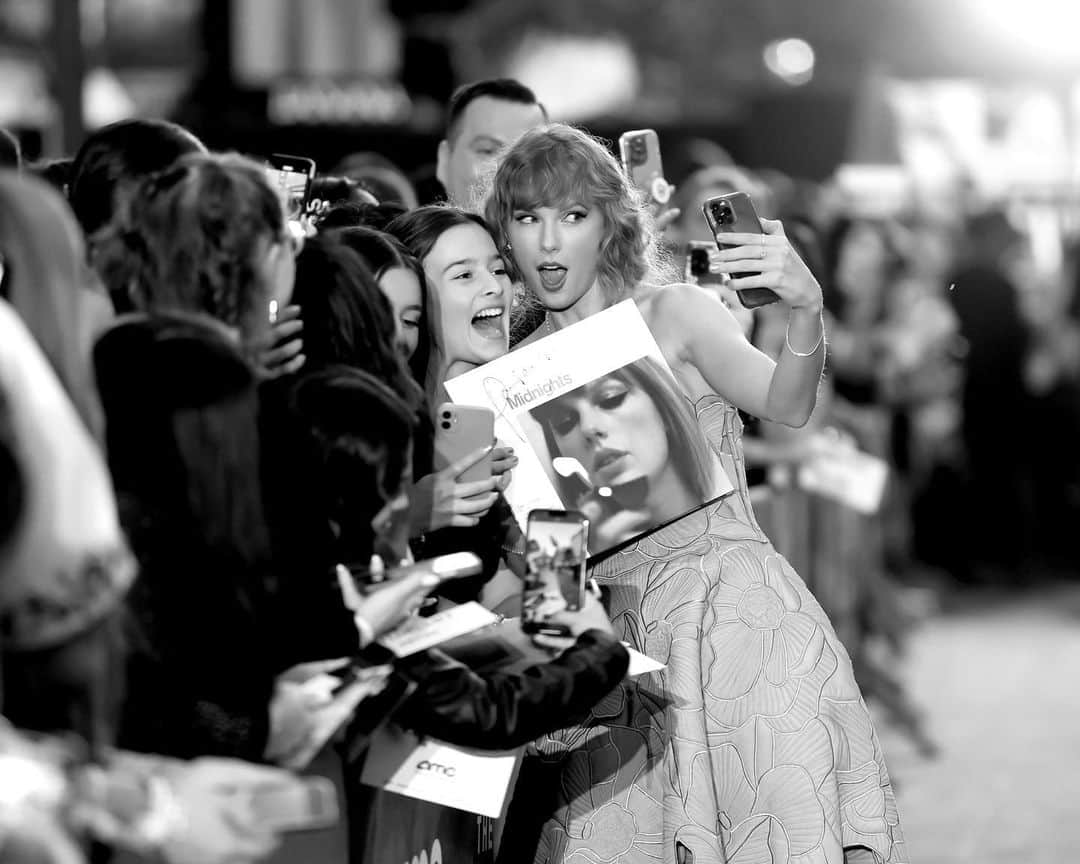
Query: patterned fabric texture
[[753, 745]]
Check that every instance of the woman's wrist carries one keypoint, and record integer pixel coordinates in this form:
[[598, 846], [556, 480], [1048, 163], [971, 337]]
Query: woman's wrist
[[810, 328], [814, 309]]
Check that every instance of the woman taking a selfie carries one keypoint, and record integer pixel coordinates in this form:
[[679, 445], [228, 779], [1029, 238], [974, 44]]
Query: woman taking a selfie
[[754, 744]]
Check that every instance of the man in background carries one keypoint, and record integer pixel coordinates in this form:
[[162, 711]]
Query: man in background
[[482, 119]]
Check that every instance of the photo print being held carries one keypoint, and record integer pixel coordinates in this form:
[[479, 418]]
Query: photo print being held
[[626, 450]]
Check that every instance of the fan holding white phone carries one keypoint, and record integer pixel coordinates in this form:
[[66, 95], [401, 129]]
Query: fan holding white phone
[[470, 471]]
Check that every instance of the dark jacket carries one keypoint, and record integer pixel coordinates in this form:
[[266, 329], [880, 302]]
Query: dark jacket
[[501, 710]]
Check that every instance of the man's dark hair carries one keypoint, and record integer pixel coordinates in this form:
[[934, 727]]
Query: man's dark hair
[[506, 89], [10, 151]]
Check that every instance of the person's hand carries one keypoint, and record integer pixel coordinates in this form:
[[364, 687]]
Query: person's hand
[[388, 603], [611, 529], [283, 352], [220, 824], [440, 501], [775, 262], [309, 705], [503, 461], [591, 616]]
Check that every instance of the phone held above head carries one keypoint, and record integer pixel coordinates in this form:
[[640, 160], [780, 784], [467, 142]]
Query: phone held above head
[[639, 151], [734, 213], [291, 177]]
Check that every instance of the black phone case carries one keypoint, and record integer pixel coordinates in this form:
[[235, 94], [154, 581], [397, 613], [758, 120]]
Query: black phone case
[[744, 221]]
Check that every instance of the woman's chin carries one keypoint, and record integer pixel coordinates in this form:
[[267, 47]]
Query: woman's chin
[[486, 349]]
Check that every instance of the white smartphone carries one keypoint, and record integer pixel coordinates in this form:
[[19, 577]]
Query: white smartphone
[[639, 152], [459, 431]]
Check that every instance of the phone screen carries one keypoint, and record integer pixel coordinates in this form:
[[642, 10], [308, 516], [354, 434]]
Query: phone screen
[[292, 185], [556, 544]]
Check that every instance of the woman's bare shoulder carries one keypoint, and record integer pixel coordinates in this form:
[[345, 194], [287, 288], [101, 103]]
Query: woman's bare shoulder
[[671, 303]]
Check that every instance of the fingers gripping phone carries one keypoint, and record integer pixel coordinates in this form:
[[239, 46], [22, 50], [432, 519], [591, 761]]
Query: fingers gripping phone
[[291, 177], [734, 213], [640, 154], [556, 546], [459, 431]]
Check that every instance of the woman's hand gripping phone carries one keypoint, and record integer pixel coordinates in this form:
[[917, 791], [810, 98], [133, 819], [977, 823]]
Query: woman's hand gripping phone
[[561, 627]]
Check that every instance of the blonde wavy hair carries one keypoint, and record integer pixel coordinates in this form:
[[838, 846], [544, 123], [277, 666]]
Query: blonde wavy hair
[[554, 165]]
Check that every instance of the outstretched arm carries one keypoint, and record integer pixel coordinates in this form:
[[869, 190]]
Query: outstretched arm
[[783, 391]]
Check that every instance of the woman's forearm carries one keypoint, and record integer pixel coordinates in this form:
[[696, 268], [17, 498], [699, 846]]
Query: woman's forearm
[[794, 386]]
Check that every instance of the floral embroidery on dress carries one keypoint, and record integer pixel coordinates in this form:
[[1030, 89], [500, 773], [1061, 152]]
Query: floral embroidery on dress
[[753, 745]]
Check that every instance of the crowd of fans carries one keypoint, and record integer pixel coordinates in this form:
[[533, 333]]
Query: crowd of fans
[[216, 447]]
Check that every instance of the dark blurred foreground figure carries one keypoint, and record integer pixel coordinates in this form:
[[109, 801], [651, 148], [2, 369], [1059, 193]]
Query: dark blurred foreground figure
[[65, 568], [65, 638], [179, 405], [994, 522], [47, 281]]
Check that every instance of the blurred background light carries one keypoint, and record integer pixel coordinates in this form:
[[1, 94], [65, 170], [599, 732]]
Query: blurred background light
[[1042, 29], [578, 77], [790, 60]]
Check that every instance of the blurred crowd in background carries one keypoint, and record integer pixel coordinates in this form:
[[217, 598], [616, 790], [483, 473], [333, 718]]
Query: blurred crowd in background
[[952, 319]]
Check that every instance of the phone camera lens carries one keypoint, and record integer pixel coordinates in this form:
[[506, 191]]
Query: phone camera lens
[[445, 424], [446, 415]]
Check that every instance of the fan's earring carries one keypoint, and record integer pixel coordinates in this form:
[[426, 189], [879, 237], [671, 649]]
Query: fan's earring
[[508, 247]]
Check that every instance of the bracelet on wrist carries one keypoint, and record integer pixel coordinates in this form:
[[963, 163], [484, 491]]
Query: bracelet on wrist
[[812, 351]]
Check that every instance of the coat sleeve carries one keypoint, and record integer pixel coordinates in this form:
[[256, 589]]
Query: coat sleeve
[[502, 710]]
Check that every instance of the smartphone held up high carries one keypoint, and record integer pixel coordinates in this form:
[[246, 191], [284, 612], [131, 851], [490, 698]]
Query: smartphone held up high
[[291, 177], [639, 152], [556, 546], [734, 213]]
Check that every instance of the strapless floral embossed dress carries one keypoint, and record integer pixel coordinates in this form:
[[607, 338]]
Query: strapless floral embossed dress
[[753, 745]]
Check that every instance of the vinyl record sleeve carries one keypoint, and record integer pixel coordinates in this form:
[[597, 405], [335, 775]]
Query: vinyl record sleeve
[[600, 425]]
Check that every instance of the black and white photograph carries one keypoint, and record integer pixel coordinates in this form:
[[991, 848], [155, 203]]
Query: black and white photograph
[[524, 432]]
